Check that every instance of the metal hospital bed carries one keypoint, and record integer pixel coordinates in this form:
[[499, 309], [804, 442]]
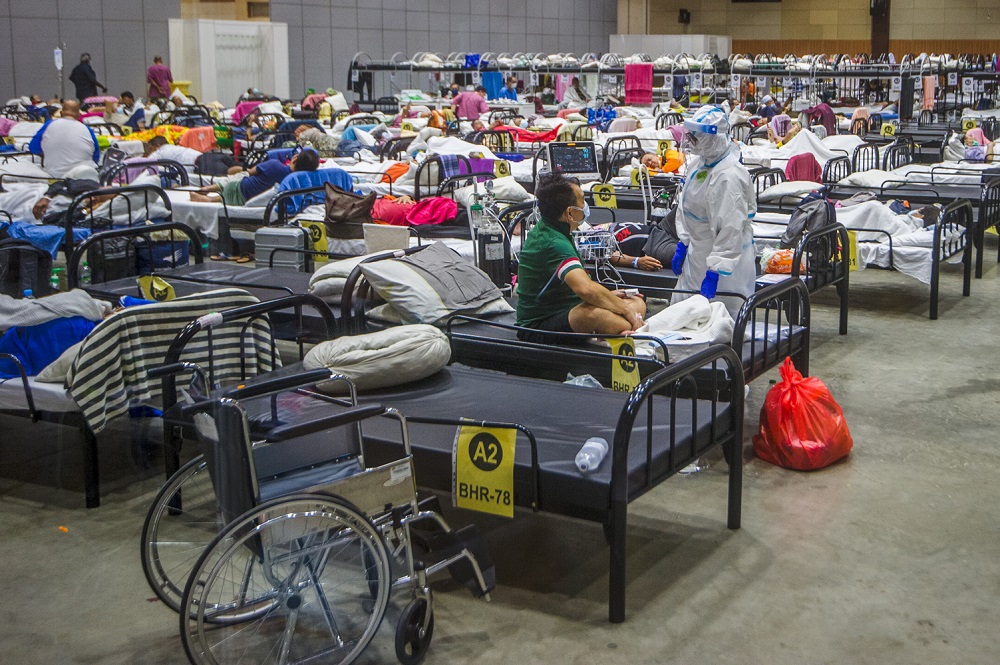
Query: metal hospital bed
[[655, 431]]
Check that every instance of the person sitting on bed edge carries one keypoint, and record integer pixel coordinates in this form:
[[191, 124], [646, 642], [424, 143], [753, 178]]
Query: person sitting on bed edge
[[237, 189], [555, 293]]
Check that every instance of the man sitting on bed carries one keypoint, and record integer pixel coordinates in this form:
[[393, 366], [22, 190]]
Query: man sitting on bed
[[237, 189], [555, 293]]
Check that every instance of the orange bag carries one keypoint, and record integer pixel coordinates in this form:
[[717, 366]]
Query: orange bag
[[780, 262], [801, 426]]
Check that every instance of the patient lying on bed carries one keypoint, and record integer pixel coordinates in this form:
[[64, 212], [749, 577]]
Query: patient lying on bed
[[237, 189]]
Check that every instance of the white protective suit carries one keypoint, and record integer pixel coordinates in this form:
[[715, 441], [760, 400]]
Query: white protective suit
[[717, 204]]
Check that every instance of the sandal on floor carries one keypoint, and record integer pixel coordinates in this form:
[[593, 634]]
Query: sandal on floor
[[246, 258], [221, 257]]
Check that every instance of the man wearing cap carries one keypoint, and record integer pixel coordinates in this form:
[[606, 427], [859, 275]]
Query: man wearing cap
[[767, 109]]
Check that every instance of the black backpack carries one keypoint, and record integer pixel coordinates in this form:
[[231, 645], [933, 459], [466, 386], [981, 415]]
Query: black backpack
[[810, 215]]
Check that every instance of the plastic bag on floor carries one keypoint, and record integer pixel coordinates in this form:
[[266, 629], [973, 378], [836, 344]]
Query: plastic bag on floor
[[801, 426]]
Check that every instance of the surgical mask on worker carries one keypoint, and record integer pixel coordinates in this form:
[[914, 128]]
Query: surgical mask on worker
[[586, 211]]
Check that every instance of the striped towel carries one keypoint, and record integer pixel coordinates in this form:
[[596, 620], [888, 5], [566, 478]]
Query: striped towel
[[109, 375]]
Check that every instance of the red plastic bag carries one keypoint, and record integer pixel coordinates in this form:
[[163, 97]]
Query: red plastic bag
[[801, 426]]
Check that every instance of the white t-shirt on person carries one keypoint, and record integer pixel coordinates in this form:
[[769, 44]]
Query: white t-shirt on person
[[67, 143]]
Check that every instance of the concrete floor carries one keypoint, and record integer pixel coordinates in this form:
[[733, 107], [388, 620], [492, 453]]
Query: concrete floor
[[888, 557]]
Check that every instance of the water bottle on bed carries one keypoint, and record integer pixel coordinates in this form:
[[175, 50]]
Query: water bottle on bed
[[591, 455], [85, 274]]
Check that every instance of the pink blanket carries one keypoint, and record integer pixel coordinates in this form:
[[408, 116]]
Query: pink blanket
[[804, 167], [243, 109], [639, 83]]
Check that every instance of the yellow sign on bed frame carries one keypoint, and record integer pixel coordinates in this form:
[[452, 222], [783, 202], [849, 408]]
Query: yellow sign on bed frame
[[852, 255], [624, 368], [317, 233], [483, 469]]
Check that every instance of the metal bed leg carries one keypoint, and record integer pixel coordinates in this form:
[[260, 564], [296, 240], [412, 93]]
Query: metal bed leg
[[980, 248], [171, 451], [735, 507], [616, 572], [843, 289], [935, 275], [967, 276], [91, 475]]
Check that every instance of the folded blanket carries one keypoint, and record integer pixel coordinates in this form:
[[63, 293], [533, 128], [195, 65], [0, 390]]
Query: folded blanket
[[24, 313], [689, 326], [110, 373]]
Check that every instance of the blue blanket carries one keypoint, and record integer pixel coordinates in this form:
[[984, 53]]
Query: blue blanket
[[39, 346], [49, 238], [317, 178]]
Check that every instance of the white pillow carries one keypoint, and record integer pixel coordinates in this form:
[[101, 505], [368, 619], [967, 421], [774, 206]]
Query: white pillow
[[382, 359], [504, 189], [874, 178], [329, 280], [790, 188]]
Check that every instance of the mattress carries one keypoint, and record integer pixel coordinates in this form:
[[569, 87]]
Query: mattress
[[262, 283], [47, 396], [561, 417]]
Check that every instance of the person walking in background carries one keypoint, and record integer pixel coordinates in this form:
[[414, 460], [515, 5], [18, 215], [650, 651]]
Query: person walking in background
[[160, 79], [85, 79]]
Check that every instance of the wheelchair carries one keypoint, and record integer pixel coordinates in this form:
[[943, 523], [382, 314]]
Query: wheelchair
[[279, 545]]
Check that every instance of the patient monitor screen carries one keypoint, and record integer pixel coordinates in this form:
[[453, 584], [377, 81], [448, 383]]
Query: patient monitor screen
[[574, 157]]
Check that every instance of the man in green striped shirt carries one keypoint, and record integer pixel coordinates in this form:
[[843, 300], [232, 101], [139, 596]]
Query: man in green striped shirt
[[554, 292]]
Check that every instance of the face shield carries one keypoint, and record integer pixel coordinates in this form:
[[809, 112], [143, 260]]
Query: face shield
[[705, 134]]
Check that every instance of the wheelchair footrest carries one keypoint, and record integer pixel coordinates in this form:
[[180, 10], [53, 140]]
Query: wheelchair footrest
[[444, 545]]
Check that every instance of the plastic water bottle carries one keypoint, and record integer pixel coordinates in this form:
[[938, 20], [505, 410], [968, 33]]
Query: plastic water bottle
[[29, 294], [592, 454], [85, 274], [54, 280]]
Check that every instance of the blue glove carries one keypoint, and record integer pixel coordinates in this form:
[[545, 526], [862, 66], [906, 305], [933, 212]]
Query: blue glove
[[678, 261], [710, 284]]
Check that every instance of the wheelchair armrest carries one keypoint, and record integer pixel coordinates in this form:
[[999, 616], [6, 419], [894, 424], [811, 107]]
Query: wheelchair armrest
[[282, 383], [347, 417], [166, 370]]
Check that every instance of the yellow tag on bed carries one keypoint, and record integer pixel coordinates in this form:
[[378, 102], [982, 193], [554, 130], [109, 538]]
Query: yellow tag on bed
[[888, 129], [483, 469], [663, 146], [993, 230], [636, 173], [852, 257], [406, 127], [604, 196], [156, 288], [624, 370], [968, 124], [317, 233], [501, 168]]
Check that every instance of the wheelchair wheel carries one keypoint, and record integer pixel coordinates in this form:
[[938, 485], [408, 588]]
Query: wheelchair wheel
[[412, 639], [180, 524], [289, 581]]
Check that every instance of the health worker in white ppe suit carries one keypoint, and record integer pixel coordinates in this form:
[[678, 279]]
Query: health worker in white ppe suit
[[717, 204]]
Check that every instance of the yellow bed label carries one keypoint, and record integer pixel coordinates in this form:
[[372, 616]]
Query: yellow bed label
[[501, 168], [663, 145], [483, 469], [968, 124], [852, 256], [317, 233], [624, 370], [888, 129], [604, 196]]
